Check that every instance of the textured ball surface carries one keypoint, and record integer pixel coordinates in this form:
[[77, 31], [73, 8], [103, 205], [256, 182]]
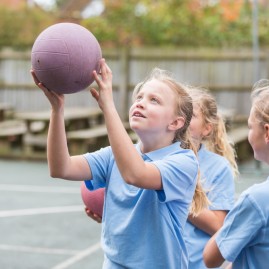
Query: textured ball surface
[[64, 56], [94, 200]]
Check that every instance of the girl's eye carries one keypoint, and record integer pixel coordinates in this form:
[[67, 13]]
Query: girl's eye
[[139, 97], [154, 100]]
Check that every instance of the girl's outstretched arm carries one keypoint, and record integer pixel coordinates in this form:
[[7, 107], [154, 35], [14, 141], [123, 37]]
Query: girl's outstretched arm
[[61, 165], [131, 165]]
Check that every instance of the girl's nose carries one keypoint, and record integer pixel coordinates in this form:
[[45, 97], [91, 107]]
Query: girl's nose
[[140, 103]]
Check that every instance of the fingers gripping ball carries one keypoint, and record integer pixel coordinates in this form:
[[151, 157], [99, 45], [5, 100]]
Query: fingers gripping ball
[[64, 56], [94, 200]]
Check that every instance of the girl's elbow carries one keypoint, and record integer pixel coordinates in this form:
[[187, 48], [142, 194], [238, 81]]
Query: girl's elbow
[[129, 180], [210, 261], [207, 261], [55, 173], [210, 264]]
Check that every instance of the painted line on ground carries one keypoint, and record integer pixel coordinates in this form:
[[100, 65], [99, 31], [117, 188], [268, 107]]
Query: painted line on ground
[[81, 255], [40, 211], [54, 251], [33, 188]]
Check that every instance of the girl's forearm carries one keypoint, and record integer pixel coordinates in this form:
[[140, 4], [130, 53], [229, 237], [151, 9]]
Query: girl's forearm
[[208, 221], [57, 150], [127, 158]]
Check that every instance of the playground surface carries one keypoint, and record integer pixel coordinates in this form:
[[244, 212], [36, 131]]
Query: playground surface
[[42, 220]]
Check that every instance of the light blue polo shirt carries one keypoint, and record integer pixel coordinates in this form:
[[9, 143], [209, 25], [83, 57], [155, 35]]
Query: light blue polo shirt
[[244, 237], [217, 179], [143, 228]]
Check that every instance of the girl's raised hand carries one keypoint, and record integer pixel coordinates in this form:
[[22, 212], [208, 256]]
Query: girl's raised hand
[[103, 95], [56, 100]]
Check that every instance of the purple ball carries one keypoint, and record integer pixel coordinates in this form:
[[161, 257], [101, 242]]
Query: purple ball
[[64, 56]]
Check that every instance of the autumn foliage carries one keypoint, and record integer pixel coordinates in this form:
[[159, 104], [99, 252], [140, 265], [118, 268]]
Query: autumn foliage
[[177, 23]]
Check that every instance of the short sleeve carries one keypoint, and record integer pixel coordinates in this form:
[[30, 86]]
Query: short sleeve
[[100, 164], [240, 227], [222, 191], [179, 174]]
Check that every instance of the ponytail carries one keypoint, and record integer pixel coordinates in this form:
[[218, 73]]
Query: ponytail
[[219, 143], [200, 199]]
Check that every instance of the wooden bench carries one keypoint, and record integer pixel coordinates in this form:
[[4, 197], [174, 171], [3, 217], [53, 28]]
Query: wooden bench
[[12, 128], [31, 141], [80, 141], [37, 122]]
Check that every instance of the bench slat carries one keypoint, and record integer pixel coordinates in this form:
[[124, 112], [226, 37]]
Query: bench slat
[[12, 128], [94, 132]]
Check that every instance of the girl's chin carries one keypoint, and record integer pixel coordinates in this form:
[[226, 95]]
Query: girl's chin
[[134, 125]]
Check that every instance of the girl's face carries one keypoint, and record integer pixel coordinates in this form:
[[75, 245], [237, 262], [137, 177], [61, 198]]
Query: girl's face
[[154, 109], [198, 128], [258, 138]]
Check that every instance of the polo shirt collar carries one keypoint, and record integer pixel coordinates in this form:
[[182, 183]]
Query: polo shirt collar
[[159, 153]]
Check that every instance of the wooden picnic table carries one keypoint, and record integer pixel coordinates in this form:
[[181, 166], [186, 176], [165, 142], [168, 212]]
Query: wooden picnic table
[[73, 116], [92, 138], [37, 123]]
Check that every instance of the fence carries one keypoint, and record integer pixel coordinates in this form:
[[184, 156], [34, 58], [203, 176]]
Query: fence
[[229, 74]]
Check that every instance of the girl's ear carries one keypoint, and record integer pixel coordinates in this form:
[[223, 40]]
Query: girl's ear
[[176, 124], [207, 129], [266, 128]]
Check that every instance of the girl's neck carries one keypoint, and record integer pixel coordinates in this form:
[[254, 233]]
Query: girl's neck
[[150, 142], [197, 143], [148, 146]]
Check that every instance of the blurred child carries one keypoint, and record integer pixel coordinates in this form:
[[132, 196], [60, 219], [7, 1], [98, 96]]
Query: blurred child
[[149, 186], [218, 167], [244, 237]]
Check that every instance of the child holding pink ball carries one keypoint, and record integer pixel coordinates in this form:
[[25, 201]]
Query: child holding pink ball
[[151, 186]]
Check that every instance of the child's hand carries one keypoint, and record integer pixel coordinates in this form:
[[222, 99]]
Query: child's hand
[[93, 215], [104, 95], [56, 100]]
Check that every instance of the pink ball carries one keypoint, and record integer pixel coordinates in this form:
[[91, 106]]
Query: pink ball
[[94, 200], [64, 56]]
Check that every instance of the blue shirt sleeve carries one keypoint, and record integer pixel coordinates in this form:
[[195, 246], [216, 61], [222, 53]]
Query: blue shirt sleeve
[[217, 179], [222, 191], [178, 174], [100, 164], [240, 227]]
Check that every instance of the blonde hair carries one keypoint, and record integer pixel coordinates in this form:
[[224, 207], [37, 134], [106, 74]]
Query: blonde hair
[[217, 140], [260, 101], [184, 109]]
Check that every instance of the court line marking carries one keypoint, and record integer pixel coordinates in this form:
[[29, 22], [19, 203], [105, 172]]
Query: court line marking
[[55, 251], [33, 188], [81, 255], [40, 211]]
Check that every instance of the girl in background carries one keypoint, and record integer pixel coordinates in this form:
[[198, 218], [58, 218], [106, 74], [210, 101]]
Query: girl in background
[[218, 169], [244, 236]]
